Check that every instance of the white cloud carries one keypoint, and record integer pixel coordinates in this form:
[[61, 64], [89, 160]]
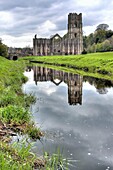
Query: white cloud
[[6, 19], [88, 29], [91, 4], [21, 19], [45, 28], [23, 41]]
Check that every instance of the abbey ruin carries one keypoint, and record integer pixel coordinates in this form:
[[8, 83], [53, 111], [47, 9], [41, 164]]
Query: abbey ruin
[[70, 44]]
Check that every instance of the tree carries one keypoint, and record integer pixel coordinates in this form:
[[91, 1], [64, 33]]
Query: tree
[[99, 36], [99, 41], [102, 27], [3, 50], [106, 45], [109, 33], [90, 39], [99, 47], [85, 41]]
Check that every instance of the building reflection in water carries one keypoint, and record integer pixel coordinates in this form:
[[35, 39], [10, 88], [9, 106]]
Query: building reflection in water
[[73, 81]]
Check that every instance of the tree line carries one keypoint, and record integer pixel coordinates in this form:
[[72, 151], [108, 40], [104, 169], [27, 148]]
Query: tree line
[[3, 49], [99, 41]]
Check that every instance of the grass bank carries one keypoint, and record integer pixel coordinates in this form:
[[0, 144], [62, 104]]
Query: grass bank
[[96, 63], [14, 105], [15, 116]]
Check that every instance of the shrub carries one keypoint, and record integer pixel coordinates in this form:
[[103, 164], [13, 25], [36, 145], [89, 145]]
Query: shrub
[[84, 52]]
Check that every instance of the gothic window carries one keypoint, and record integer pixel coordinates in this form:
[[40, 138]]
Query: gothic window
[[76, 94], [56, 37], [75, 83], [75, 35], [75, 24]]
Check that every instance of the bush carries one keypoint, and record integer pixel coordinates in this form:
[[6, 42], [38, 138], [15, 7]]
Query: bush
[[84, 52], [3, 50]]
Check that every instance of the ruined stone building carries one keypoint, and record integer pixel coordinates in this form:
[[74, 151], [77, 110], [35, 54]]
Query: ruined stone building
[[73, 81], [70, 43]]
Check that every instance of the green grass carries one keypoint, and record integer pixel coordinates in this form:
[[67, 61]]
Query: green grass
[[55, 161], [15, 115], [14, 105], [16, 156], [98, 63]]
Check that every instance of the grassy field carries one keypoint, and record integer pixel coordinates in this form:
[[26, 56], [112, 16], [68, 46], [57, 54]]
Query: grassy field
[[100, 63]]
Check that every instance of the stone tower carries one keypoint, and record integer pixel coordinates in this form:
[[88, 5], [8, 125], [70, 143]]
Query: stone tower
[[75, 31], [75, 89]]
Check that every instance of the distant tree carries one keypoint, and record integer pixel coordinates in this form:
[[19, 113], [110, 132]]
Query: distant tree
[[102, 27], [90, 39], [99, 47], [109, 33], [84, 51], [3, 50], [99, 36], [111, 40], [99, 41], [106, 45], [85, 41], [91, 48]]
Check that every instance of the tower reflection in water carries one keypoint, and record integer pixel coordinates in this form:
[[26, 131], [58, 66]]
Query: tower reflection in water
[[73, 81]]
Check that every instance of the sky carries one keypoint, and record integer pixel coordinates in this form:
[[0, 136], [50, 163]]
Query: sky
[[20, 20]]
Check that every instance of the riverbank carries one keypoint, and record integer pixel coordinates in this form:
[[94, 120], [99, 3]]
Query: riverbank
[[15, 118], [95, 64]]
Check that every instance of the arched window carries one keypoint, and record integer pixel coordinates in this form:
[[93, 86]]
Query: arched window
[[75, 35]]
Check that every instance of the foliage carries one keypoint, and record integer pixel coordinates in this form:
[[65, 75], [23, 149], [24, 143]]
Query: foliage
[[34, 132], [109, 33], [16, 156], [99, 36], [14, 114], [99, 41], [102, 27], [106, 45], [56, 161], [3, 50], [14, 104], [84, 52]]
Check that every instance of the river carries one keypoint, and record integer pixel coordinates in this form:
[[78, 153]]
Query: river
[[76, 115]]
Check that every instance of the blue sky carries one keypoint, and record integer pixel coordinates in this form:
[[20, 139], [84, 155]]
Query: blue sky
[[21, 20]]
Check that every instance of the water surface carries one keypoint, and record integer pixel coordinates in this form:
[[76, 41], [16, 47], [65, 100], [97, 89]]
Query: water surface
[[76, 114]]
